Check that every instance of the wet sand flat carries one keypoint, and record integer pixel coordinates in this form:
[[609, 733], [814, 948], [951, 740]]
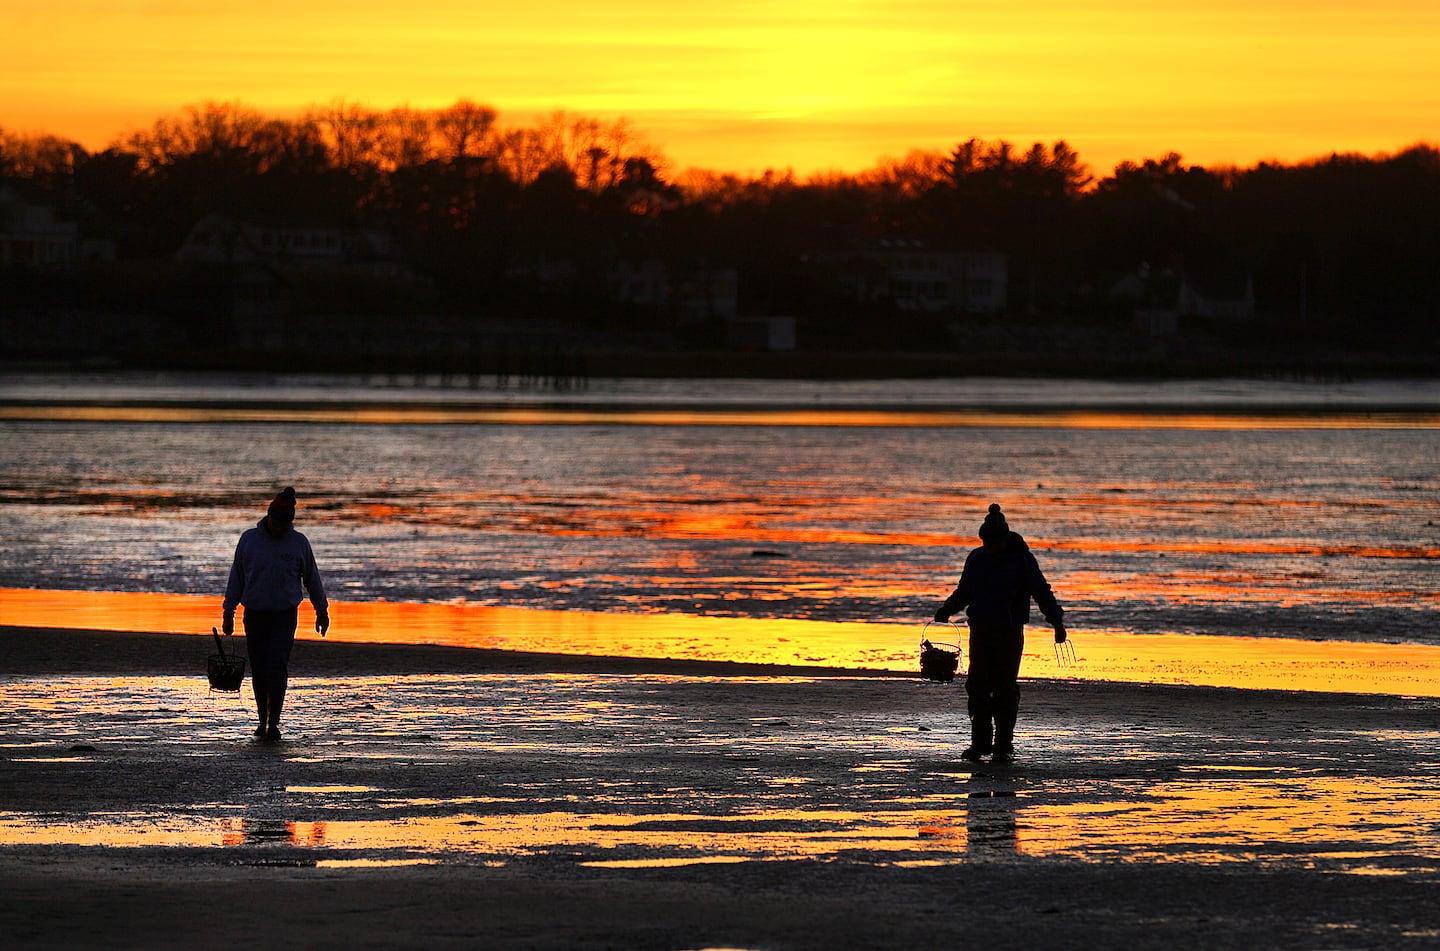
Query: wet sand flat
[[451, 797]]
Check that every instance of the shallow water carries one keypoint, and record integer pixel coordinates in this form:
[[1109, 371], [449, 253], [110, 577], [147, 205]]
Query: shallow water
[[1266, 526], [1255, 663]]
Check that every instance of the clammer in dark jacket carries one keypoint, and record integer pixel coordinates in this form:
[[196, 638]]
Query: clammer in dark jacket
[[995, 589]]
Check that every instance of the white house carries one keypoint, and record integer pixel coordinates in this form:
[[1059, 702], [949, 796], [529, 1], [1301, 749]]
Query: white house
[[31, 237], [711, 294], [220, 240], [921, 279], [644, 283], [1227, 297]]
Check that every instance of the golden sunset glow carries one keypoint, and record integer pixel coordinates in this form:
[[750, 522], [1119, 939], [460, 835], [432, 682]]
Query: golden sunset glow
[[749, 86], [1245, 662]]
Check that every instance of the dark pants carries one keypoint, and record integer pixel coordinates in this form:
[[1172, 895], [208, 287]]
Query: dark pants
[[269, 636], [991, 685]]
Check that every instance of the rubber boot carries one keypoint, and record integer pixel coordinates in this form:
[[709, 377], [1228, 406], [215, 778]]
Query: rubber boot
[[260, 706], [981, 743], [277, 702], [1004, 738]]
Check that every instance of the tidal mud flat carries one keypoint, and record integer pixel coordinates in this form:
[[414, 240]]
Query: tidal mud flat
[[446, 797], [1230, 508]]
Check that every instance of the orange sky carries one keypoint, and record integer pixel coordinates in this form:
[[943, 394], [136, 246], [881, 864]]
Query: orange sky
[[747, 85]]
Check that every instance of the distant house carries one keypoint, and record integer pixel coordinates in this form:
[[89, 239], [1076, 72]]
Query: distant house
[[1218, 296], [31, 237], [708, 295], [1183, 294], [705, 294], [641, 283], [216, 239], [1149, 296], [918, 278]]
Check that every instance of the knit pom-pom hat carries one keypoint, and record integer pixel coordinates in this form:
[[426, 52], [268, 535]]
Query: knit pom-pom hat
[[994, 527], [282, 507]]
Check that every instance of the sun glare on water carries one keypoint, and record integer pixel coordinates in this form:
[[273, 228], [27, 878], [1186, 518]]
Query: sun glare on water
[[1247, 662]]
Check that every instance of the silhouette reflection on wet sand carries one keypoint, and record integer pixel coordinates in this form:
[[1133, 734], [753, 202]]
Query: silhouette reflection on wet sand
[[273, 832], [991, 822]]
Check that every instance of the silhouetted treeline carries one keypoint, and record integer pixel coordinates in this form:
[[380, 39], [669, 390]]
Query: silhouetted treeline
[[533, 222]]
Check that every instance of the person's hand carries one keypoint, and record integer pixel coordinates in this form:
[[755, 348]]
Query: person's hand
[[1060, 632], [228, 624], [322, 623], [940, 616]]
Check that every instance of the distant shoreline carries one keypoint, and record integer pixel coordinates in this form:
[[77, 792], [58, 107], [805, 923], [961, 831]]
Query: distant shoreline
[[549, 412], [1138, 364], [203, 396]]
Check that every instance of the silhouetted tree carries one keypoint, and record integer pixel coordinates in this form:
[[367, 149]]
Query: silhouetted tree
[[1343, 249], [466, 131]]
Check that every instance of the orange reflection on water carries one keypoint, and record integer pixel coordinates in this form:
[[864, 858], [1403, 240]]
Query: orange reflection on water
[[1372, 825], [779, 834], [269, 831], [109, 611], [380, 414], [1247, 547], [789, 520], [1365, 822], [1247, 662]]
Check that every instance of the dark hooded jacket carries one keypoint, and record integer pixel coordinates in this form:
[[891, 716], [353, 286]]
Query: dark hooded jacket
[[272, 573], [995, 589]]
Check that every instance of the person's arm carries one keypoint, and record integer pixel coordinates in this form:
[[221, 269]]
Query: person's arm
[[959, 599], [952, 605], [1045, 597], [316, 588], [234, 589]]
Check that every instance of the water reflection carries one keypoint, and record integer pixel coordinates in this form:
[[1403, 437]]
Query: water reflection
[[1231, 531], [657, 770], [272, 832], [1256, 663], [1363, 827], [1045, 418], [991, 824], [989, 827]]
